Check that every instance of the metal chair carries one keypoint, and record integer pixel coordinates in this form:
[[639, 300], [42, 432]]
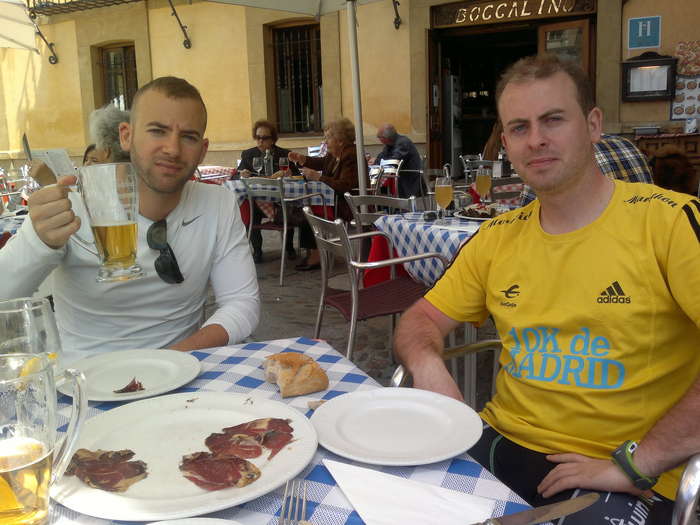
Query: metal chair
[[390, 169], [273, 189], [470, 163], [499, 194], [387, 298], [368, 208], [686, 510], [462, 371]]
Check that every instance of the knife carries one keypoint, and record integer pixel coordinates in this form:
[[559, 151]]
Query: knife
[[546, 512], [25, 144]]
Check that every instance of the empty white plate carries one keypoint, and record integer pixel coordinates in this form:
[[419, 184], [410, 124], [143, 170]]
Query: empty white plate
[[396, 426]]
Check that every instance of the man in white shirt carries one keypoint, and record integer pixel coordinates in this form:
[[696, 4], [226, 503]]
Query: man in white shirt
[[165, 138]]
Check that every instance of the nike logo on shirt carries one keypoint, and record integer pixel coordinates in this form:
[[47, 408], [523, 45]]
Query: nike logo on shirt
[[187, 223]]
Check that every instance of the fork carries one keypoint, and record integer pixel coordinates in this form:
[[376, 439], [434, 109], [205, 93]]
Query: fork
[[293, 511]]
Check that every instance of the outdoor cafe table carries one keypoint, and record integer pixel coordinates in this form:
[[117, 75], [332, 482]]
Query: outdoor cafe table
[[292, 188], [238, 368], [411, 235]]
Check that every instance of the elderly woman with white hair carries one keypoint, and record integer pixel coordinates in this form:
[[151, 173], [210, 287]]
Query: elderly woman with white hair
[[339, 168], [104, 133]]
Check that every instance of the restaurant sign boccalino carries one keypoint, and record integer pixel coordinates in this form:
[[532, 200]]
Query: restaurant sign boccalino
[[498, 11]]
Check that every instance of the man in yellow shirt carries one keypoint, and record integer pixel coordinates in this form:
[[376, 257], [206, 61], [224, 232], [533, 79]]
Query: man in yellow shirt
[[595, 292]]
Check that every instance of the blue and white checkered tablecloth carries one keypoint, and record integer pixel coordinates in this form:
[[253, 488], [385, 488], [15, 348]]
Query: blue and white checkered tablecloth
[[10, 223], [238, 368], [292, 188], [411, 235]]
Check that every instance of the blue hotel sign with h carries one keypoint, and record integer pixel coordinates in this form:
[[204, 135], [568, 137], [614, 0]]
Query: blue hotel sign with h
[[644, 32]]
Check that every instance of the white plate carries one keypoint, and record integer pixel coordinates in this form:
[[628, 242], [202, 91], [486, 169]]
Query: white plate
[[159, 371], [197, 521], [460, 215], [396, 426], [160, 431]]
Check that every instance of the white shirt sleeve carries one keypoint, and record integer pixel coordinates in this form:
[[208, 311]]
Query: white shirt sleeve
[[233, 275], [25, 262]]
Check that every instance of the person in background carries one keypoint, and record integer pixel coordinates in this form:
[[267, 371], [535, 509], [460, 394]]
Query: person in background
[[400, 147], [339, 171], [593, 288], [90, 157], [617, 157], [104, 132], [673, 170], [200, 223], [265, 136], [493, 145]]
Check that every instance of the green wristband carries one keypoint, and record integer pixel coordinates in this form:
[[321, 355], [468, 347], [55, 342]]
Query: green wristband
[[622, 457]]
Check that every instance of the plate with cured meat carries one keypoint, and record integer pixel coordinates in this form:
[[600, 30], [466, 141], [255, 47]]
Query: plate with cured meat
[[126, 375], [184, 455], [396, 426]]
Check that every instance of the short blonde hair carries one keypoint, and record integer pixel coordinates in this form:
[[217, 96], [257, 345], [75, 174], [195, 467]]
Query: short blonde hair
[[342, 129]]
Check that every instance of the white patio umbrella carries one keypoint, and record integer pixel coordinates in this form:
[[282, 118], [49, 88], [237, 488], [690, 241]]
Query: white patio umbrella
[[318, 8], [16, 29]]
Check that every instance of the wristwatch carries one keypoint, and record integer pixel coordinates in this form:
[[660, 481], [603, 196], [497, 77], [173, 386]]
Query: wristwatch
[[622, 457]]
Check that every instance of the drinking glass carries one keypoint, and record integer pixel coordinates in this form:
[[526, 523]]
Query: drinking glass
[[31, 458], [443, 195], [110, 194], [284, 165], [28, 326], [258, 165], [484, 175]]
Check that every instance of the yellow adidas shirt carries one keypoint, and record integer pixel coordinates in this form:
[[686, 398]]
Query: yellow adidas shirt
[[601, 326]]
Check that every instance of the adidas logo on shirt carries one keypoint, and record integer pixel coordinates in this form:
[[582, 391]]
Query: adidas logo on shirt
[[614, 294]]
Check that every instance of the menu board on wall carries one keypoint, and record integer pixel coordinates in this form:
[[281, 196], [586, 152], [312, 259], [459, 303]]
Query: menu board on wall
[[686, 103]]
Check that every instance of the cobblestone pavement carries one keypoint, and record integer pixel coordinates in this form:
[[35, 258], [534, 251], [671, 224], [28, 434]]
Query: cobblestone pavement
[[290, 311]]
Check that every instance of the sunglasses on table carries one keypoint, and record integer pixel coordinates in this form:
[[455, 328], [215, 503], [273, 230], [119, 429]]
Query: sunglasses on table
[[166, 263]]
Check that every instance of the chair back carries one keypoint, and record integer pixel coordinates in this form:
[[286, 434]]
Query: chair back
[[506, 190], [332, 241], [686, 510], [390, 169], [376, 206], [470, 163], [262, 187]]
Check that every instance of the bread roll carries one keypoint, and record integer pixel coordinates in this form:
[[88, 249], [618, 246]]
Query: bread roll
[[296, 374]]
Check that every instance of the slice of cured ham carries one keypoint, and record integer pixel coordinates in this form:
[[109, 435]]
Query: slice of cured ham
[[133, 386], [239, 445], [212, 472], [106, 469], [276, 441], [260, 426]]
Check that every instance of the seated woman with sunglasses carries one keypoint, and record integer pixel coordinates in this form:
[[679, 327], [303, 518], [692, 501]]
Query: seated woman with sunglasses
[[265, 136], [339, 170]]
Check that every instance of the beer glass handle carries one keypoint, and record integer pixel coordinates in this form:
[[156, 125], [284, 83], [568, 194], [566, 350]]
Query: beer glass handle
[[64, 454]]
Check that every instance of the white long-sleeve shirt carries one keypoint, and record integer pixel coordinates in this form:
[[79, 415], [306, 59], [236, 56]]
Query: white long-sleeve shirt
[[208, 238]]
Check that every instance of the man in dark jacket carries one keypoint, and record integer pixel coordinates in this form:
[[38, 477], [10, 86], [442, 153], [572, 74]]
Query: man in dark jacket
[[400, 147]]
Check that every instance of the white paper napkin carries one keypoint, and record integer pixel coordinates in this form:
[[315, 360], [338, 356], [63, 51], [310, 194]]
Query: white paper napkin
[[383, 499]]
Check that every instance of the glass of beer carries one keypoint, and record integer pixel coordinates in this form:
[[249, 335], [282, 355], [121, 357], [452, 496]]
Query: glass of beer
[[28, 326], [31, 457], [484, 175], [443, 195], [110, 194]]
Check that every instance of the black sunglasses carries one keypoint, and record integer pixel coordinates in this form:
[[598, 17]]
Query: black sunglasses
[[166, 263], [263, 137]]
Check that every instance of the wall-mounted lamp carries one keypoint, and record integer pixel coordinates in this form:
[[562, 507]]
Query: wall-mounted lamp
[[397, 17]]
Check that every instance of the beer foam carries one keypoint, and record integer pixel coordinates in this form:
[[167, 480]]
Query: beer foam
[[19, 451]]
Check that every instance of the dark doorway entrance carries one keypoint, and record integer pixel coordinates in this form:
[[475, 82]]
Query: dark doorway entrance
[[470, 64]]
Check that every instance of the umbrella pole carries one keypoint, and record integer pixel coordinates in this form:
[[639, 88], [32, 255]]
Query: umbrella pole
[[356, 96]]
